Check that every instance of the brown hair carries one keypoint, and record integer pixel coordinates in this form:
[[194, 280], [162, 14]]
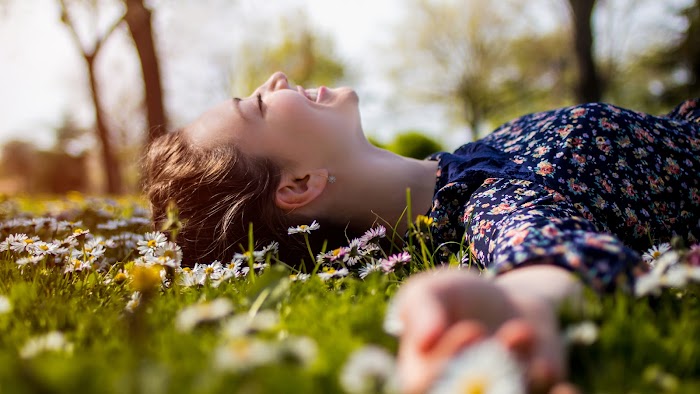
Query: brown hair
[[217, 192]]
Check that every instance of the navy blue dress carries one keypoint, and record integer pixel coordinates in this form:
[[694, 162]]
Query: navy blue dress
[[586, 188]]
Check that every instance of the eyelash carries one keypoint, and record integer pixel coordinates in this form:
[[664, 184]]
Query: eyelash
[[260, 102]]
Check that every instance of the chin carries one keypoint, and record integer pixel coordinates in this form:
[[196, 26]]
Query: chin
[[347, 94]]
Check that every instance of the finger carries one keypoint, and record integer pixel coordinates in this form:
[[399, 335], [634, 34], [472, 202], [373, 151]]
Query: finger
[[519, 337], [423, 317], [564, 388], [459, 336]]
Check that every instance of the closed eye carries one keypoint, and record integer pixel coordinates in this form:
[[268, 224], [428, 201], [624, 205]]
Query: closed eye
[[260, 104]]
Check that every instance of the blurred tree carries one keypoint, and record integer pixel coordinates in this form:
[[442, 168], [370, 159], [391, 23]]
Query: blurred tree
[[482, 58], [415, 144], [89, 54], [663, 75], [680, 63], [306, 57], [588, 88], [138, 19], [19, 160]]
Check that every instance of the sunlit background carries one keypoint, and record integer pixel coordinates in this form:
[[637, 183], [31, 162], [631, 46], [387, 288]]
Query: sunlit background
[[447, 70]]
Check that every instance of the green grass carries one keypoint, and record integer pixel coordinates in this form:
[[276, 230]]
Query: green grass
[[645, 345]]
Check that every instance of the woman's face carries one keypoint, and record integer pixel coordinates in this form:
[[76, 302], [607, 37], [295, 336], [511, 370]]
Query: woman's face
[[284, 123]]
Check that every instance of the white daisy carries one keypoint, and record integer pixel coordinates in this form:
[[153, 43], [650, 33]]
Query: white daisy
[[244, 324], [303, 228], [269, 250], [486, 367], [300, 277], [354, 252], [167, 254], [150, 242], [5, 305], [134, 302], [393, 325], [302, 350], [647, 284], [22, 242], [369, 369], [10, 240], [584, 333], [330, 272], [29, 260], [655, 252], [193, 315], [243, 353], [369, 268], [186, 278], [53, 341], [204, 272]]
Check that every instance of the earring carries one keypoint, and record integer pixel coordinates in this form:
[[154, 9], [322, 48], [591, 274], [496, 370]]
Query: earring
[[331, 179]]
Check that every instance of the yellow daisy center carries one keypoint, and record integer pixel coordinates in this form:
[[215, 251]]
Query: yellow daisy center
[[28, 241], [477, 386], [303, 227], [209, 270], [151, 243]]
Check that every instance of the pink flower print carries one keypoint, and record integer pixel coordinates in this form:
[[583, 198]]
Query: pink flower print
[[580, 159], [576, 188], [550, 231], [602, 144], [632, 219], [503, 207], [606, 124], [485, 226], [578, 112], [565, 131], [628, 188], [655, 183], [540, 150], [643, 135], [517, 236], [672, 166], [623, 142], [545, 168]]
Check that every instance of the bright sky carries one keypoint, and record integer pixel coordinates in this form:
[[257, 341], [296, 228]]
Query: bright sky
[[42, 77]]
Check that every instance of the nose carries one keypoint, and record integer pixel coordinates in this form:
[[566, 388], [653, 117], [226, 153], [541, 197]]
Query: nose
[[278, 81]]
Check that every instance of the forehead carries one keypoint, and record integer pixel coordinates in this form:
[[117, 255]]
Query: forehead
[[222, 124]]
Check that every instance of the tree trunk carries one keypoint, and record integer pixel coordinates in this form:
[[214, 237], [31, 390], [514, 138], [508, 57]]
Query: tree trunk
[[589, 87], [138, 18], [109, 160]]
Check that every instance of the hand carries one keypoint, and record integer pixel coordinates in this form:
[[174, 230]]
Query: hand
[[445, 311]]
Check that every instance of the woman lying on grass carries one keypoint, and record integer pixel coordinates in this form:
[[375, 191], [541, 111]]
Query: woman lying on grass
[[576, 190]]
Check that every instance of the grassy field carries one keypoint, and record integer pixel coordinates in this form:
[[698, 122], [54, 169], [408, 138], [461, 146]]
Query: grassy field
[[91, 301]]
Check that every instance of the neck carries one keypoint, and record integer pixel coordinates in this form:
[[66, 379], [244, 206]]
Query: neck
[[372, 190]]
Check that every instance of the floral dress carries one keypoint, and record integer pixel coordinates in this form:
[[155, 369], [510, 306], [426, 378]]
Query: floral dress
[[586, 188]]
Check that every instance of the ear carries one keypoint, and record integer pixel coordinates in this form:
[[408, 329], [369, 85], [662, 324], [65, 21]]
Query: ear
[[298, 190]]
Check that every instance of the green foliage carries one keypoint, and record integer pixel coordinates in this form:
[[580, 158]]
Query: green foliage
[[414, 144], [644, 345], [304, 55]]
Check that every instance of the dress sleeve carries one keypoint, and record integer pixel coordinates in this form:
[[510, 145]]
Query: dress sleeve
[[512, 223]]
